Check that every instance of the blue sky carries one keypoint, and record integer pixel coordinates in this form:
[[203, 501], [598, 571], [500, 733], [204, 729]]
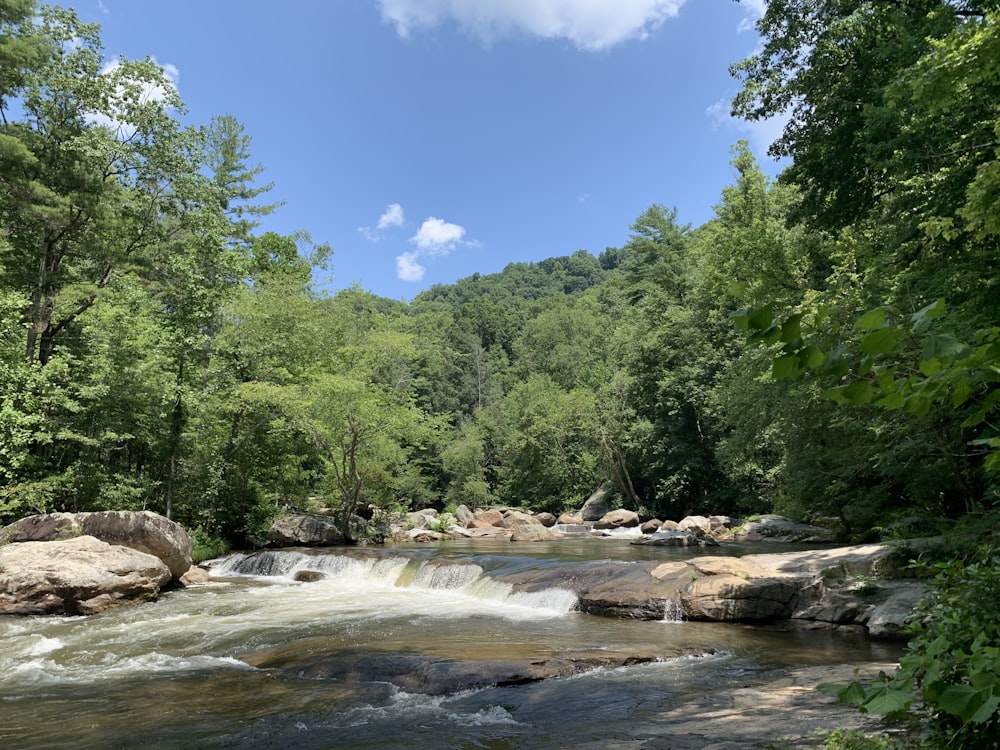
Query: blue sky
[[426, 140]]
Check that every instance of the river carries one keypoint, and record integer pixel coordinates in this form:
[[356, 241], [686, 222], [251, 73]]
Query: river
[[170, 675]]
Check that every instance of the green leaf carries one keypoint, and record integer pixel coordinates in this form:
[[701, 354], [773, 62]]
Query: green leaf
[[791, 329], [761, 318], [881, 340], [812, 357], [920, 320], [859, 392], [930, 367], [741, 318], [944, 346], [893, 400], [887, 698], [871, 320], [786, 367], [962, 701]]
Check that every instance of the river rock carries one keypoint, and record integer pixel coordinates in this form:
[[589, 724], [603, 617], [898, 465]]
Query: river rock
[[596, 506], [618, 519], [534, 532], [570, 519], [609, 588], [492, 516], [194, 576], [546, 519], [677, 539], [697, 525], [464, 517], [889, 617], [437, 675], [78, 576], [515, 518], [305, 530], [730, 598], [143, 531], [651, 526], [774, 528]]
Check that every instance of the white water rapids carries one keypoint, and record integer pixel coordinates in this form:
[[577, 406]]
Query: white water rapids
[[169, 674]]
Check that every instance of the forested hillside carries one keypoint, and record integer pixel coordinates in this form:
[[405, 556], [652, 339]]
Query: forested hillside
[[157, 350]]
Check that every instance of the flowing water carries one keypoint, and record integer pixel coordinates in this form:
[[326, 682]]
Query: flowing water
[[169, 674]]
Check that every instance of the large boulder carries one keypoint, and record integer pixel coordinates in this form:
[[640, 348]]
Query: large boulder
[[618, 519], [465, 517], [77, 576], [596, 506], [774, 528], [492, 516], [303, 530], [534, 532], [514, 518], [729, 598], [697, 525], [143, 531]]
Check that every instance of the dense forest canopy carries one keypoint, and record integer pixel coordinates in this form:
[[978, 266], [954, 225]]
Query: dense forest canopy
[[157, 350]]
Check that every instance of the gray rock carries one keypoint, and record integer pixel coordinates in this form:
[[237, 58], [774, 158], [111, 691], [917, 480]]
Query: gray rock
[[143, 531], [676, 539], [302, 530], [780, 529], [77, 576], [464, 517], [888, 619], [596, 506]]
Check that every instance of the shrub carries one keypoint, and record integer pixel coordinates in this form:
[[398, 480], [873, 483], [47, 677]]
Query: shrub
[[953, 660]]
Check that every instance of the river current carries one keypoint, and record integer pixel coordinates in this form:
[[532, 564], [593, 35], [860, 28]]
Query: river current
[[170, 674]]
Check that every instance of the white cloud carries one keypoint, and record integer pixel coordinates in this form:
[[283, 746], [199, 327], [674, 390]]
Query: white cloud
[[761, 134], [407, 267], [437, 237], [391, 217], [588, 24]]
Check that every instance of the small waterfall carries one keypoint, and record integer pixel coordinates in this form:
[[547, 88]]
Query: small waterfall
[[365, 571], [265, 564], [673, 611]]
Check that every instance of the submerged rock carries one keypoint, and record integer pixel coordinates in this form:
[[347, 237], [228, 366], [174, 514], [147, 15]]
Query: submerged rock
[[78, 576], [431, 675]]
